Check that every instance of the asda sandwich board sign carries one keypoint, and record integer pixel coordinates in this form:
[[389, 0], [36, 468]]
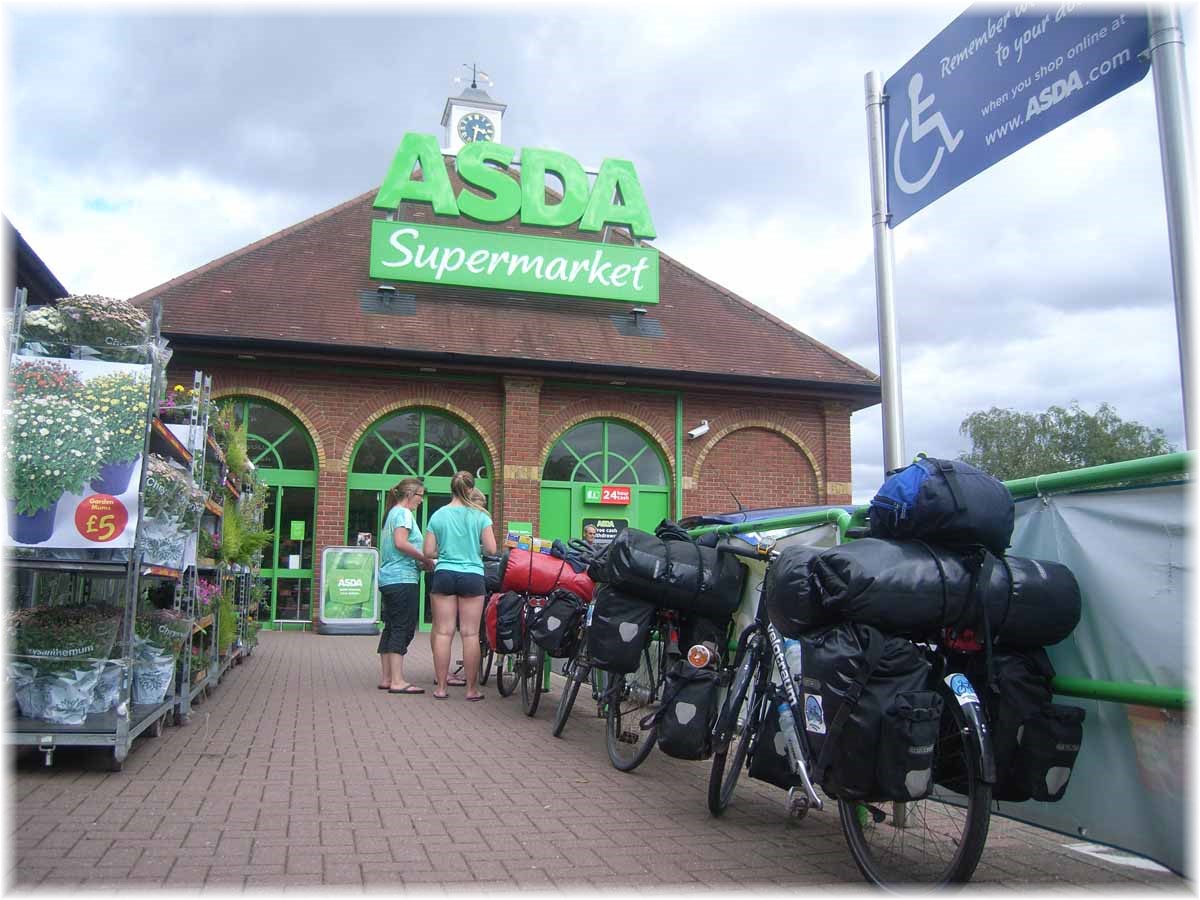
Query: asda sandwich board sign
[[349, 590], [434, 254]]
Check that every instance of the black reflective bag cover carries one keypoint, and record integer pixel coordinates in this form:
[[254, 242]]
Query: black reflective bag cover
[[915, 589], [508, 622], [493, 572], [1035, 741], [672, 574], [1047, 746], [908, 738], [769, 761], [688, 713], [555, 629], [619, 627], [834, 663]]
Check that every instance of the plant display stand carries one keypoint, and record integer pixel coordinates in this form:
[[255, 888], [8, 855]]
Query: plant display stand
[[76, 540]]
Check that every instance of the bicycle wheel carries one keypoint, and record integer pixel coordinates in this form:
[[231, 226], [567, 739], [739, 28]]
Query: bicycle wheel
[[739, 719], [576, 673], [933, 841], [506, 673], [630, 698], [486, 656], [533, 660]]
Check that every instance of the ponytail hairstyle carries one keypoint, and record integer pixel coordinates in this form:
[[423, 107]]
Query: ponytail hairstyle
[[403, 490], [461, 486], [478, 498]]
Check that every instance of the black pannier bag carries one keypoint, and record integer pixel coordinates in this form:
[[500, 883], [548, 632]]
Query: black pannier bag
[[618, 629], [944, 501], [556, 628], [508, 622], [493, 571], [916, 589], [688, 712], [869, 716], [1035, 741], [673, 573], [770, 762]]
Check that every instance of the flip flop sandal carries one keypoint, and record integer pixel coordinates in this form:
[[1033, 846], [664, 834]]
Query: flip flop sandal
[[474, 699], [384, 687], [437, 696], [411, 689]]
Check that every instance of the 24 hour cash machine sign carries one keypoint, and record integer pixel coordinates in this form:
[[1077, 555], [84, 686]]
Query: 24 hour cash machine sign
[[434, 254]]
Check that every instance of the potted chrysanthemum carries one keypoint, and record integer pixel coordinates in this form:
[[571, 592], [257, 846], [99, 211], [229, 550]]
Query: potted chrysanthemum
[[159, 636], [44, 332], [58, 653], [33, 377], [54, 448], [119, 400], [114, 329]]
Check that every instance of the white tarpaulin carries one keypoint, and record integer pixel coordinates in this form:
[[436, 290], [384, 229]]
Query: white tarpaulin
[[1128, 550]]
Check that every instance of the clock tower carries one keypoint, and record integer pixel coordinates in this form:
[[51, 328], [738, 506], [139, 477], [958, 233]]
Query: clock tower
[[472, 116]]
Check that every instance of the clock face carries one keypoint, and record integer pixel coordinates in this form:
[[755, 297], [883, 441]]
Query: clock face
[[476, 127]]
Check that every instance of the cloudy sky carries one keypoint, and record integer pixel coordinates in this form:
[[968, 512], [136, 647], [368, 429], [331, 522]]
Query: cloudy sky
[[144, 142]]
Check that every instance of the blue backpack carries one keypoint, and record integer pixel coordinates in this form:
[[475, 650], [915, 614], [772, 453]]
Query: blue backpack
[[944, 502]]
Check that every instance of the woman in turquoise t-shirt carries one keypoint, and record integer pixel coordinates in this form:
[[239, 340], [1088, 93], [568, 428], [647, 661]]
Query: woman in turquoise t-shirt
[[400, 564], [454, 535]]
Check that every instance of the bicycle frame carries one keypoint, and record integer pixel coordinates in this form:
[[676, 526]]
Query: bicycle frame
[[752, 638]]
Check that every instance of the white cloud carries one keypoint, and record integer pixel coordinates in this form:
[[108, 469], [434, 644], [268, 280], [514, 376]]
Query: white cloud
[[163, 225]]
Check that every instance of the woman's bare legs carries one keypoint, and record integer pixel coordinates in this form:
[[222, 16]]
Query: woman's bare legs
[[470, 610], [445, 607]]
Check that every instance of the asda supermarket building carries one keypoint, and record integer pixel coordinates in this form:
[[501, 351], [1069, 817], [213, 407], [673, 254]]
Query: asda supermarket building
[[461, 318]]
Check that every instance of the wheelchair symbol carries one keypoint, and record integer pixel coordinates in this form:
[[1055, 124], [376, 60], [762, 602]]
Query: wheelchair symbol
[[920, 128]]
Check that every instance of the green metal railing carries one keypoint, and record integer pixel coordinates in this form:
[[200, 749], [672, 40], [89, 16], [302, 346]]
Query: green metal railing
[[1169, 465]]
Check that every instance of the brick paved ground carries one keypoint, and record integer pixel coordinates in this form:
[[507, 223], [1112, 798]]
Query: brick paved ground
[[299, 773]]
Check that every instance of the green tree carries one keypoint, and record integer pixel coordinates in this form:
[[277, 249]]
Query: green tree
[[1011, 444]]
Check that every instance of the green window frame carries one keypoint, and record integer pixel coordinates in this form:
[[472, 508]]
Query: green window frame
[[606, 451]]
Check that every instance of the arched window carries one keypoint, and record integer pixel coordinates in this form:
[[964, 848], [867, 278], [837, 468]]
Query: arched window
[[282, 451], [605, 452], [420, 443], [589, 457]]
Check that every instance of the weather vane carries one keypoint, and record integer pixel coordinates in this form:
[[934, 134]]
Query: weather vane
[[477, 74]]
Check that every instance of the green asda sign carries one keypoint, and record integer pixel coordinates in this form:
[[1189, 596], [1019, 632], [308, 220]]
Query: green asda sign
[[430, 254], [349, 578]]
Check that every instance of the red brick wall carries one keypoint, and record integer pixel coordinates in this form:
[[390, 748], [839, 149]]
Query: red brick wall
[[775, 451], [761, 467]]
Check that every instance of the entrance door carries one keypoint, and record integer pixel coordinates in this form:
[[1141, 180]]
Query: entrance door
[[413, 443], [288, 563]]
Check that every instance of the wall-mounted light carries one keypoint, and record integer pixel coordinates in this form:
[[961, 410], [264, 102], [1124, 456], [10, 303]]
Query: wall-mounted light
[[637, 312], [700, 430], [385, 292]]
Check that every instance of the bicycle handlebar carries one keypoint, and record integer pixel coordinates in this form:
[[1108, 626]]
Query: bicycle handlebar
[[749, 553]]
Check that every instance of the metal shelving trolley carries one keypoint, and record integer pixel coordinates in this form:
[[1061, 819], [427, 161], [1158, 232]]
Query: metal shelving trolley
[[90, 659]]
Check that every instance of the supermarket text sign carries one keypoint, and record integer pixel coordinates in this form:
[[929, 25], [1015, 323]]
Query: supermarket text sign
[[433, 254]]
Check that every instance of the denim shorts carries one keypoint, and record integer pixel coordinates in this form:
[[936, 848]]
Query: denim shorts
[[464, 584]]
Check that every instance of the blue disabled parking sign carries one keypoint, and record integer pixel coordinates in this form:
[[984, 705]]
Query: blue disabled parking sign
[[994, 80]]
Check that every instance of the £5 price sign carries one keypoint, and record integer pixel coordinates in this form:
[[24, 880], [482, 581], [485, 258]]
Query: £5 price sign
[[101, 518]]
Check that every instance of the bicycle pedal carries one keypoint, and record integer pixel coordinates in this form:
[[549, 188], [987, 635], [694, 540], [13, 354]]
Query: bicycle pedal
[[629, 737]]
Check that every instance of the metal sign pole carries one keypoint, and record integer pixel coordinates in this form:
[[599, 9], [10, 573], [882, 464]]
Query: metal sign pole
[[1175, 144], [889, 352]]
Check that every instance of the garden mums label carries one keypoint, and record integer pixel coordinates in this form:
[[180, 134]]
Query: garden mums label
[[101, 518], [76, 433]]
